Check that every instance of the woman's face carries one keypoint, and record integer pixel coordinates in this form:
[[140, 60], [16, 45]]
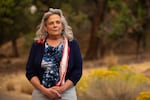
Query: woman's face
[[54, 25]]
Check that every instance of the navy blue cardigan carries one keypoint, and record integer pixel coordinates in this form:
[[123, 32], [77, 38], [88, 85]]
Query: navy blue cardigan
[[74, 71]]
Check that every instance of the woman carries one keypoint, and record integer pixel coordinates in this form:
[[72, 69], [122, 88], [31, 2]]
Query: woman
[[54, 65]]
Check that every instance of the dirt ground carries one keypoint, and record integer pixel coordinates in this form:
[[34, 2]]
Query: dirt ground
[[13, 96]]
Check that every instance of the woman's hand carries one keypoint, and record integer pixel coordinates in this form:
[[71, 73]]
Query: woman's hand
[[51, 93], [48, 92], [68, 84], [59, 89]]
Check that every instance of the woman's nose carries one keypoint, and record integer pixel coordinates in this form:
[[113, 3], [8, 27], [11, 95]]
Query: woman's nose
[[55, 24]]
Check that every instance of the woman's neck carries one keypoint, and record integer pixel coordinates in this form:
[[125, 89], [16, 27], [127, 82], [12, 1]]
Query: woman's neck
[[54, 37], [54, 40]]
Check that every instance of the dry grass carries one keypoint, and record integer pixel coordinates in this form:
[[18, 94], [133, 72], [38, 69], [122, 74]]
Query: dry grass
[[110, 60], [10, 86], [17, 83], [26, 87], [141, 67]]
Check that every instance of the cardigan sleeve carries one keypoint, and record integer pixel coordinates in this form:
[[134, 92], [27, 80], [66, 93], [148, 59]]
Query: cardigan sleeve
[[76, 71], [30, 68]]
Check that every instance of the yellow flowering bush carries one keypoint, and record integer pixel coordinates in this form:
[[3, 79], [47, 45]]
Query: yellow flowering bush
[[101, 73], [94, 75], [144, 96], [83, 83], [117, 83], [127, 74]]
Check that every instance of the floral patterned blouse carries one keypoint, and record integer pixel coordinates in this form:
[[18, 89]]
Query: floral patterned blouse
[[50, 62]]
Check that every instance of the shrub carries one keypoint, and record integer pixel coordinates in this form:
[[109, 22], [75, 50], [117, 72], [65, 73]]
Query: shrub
[[117, 83], [10, 86], [26, 87], [144, 96]]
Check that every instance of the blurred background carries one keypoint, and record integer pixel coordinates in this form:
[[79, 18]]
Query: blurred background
[[114, 38]]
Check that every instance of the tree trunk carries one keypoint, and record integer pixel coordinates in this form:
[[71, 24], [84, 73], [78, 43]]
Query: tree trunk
[[141, 35], [96, 19], [148, 14], [14, 48], [93, 46]]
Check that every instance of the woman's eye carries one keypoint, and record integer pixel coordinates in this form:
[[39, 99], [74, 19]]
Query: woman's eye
[[58, 22], [50, 23]]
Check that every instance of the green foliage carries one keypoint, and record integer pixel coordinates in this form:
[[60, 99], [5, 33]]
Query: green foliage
[[117, 83], [76, 4], [122, 16], [138, 8], [14, 18], [78, 20], [67, 8], [4, 5], [121, 20], [29, 40]]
